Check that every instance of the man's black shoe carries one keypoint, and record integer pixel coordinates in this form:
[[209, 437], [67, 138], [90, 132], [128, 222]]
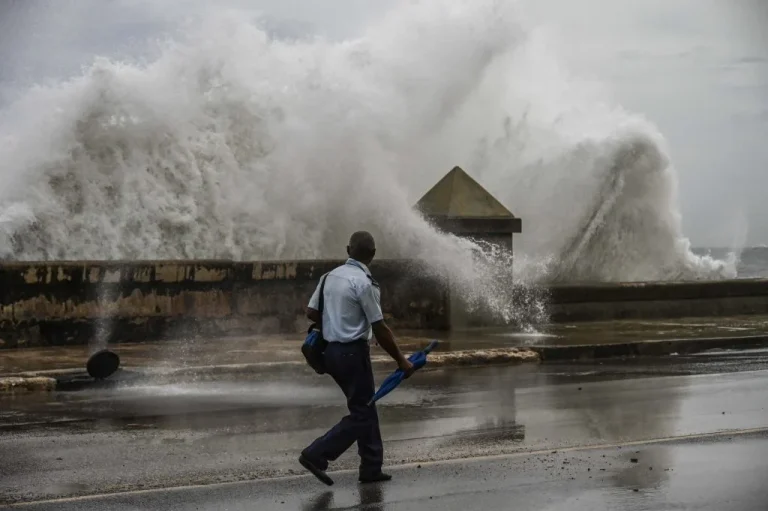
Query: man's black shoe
[[381, 477], [320, 474]]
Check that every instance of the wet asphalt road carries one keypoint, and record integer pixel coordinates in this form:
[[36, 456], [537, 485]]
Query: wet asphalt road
[[709, 474], [159, 436]]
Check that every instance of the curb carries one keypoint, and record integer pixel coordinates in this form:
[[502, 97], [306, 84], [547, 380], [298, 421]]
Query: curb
[[648, 348], [493, 356]]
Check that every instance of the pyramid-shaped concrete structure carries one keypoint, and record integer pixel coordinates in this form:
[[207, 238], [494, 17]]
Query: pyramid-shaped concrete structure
[[459, 205], [457, 195]]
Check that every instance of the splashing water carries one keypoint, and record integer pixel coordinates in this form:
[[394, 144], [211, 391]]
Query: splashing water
[[236, 145]]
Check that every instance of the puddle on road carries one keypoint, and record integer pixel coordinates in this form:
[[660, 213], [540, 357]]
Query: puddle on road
[[267, 394], [263, 390]]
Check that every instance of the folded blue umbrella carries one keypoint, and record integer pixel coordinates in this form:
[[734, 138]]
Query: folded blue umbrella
[[418, 360]]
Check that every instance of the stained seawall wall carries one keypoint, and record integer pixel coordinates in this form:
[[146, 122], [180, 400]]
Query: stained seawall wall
[[74, 302], [58, 303]]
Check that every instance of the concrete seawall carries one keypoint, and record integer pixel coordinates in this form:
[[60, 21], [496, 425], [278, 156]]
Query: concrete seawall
[[653, 300], [76, 302]]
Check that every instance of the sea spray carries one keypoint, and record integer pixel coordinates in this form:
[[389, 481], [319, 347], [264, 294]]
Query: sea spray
[[236, 145]]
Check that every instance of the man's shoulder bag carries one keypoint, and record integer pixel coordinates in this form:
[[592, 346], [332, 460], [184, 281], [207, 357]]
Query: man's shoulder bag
[[314, 345]]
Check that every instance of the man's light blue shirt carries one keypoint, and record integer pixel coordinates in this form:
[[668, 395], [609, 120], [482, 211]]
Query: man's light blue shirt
[[352, 303]]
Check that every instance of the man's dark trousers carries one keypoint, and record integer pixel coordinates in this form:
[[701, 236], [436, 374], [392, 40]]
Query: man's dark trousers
[[350, 366]]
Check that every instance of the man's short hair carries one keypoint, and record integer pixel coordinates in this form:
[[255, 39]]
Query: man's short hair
[[362, 243]]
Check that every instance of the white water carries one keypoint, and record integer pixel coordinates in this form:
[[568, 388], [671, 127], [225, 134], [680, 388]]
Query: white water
[[232, 145]]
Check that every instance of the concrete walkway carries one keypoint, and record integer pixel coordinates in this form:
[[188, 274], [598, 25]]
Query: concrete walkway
[[570, 341]]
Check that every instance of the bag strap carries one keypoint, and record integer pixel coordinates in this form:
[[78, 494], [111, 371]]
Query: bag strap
[[321, 302]]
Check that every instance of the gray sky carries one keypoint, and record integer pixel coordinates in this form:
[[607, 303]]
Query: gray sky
[[697, 68]]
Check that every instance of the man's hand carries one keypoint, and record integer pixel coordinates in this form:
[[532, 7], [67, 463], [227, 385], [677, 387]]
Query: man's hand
[[406, 367]]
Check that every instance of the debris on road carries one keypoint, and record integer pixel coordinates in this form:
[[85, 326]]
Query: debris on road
[[35, 383]]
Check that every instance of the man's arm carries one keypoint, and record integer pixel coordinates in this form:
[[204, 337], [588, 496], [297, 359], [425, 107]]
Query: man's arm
[[313, 315], [386, 340], [372, 310]]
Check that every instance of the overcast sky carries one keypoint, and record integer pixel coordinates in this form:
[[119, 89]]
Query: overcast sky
[[697, 68]]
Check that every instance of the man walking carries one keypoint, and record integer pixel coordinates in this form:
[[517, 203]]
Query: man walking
[[351, 315]]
